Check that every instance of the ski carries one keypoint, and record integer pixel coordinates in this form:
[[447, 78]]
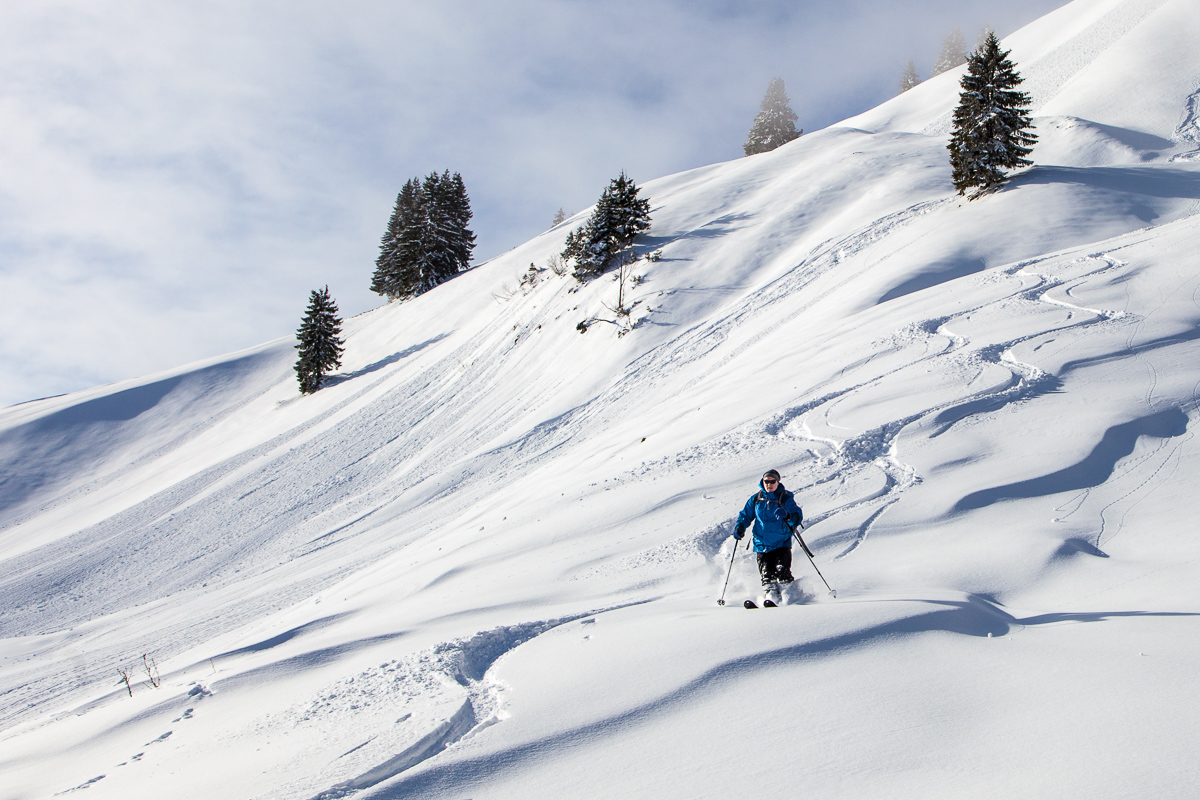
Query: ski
[[749, 604], [769, 604]]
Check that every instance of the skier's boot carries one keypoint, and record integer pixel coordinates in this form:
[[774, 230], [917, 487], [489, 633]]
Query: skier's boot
[[771, 597]]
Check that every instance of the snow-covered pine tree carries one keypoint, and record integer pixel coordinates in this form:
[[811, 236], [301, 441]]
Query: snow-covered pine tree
[[428, 260], [608, 235], [318, 341], [462, 240], [992, 128], [389, 268], [628, 214], [954, 52], [910, 78], [447, 242], [775, 123], [428, 239], [575, 248]]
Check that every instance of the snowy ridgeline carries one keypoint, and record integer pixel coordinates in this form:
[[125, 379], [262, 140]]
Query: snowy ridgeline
[[484, 560]]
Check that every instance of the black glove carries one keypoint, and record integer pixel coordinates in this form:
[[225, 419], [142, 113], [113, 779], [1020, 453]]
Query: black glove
[[738, 533]]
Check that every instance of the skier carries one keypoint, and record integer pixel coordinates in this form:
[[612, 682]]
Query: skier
[[774, 513]]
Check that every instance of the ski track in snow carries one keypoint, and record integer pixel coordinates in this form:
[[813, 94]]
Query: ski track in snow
[[1149, 465], [460, 667], [451, 675], [1164, 456], [313, 484], [322, 490], [876, 448], [406, 710], [376, 476]]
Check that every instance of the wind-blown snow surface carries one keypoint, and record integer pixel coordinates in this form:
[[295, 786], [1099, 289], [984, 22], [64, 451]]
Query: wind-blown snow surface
[[484, 561]]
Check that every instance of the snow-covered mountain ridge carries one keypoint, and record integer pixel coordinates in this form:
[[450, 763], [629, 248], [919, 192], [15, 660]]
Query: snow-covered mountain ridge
[[484, 561]]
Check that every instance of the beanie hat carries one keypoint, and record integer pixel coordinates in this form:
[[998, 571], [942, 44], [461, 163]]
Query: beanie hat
[[771, 473]]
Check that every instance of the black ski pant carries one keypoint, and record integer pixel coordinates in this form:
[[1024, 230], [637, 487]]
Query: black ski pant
[[775, 565]]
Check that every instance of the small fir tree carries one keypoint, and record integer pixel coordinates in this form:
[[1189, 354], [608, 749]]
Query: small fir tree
[[992, 129], [910, 78], [608, 235], [775, 123], [560, 217], [954, 53], [318, 341]]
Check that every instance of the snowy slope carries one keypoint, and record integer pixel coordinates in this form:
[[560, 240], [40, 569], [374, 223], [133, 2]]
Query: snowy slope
[[484, 561]]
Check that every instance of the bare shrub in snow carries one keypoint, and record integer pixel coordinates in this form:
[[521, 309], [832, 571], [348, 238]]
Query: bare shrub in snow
[[151, 668], [124, 673]]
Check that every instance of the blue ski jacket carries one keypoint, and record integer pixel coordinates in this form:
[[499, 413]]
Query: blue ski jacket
[[772, 513]]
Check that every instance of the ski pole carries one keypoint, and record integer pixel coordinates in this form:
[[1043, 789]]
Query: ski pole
[[736, 542], [804, 547]]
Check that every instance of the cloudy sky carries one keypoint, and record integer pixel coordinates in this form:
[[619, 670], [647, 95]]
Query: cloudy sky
[[176, 177]]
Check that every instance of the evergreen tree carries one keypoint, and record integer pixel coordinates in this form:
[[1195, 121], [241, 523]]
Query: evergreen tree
[[982, 38], [910, 78], [318, 341], [440, 245], [428, 240], [560, 217], [775, 123], [462, 239], [992, 128], [387, 279], [608, 235], [954, 52]]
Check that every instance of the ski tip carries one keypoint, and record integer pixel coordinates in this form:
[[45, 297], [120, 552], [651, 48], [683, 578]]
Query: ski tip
[[749, 604]]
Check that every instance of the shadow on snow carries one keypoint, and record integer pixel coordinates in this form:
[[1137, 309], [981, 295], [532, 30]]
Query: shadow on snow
[[1117, 442], [975, 616]]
